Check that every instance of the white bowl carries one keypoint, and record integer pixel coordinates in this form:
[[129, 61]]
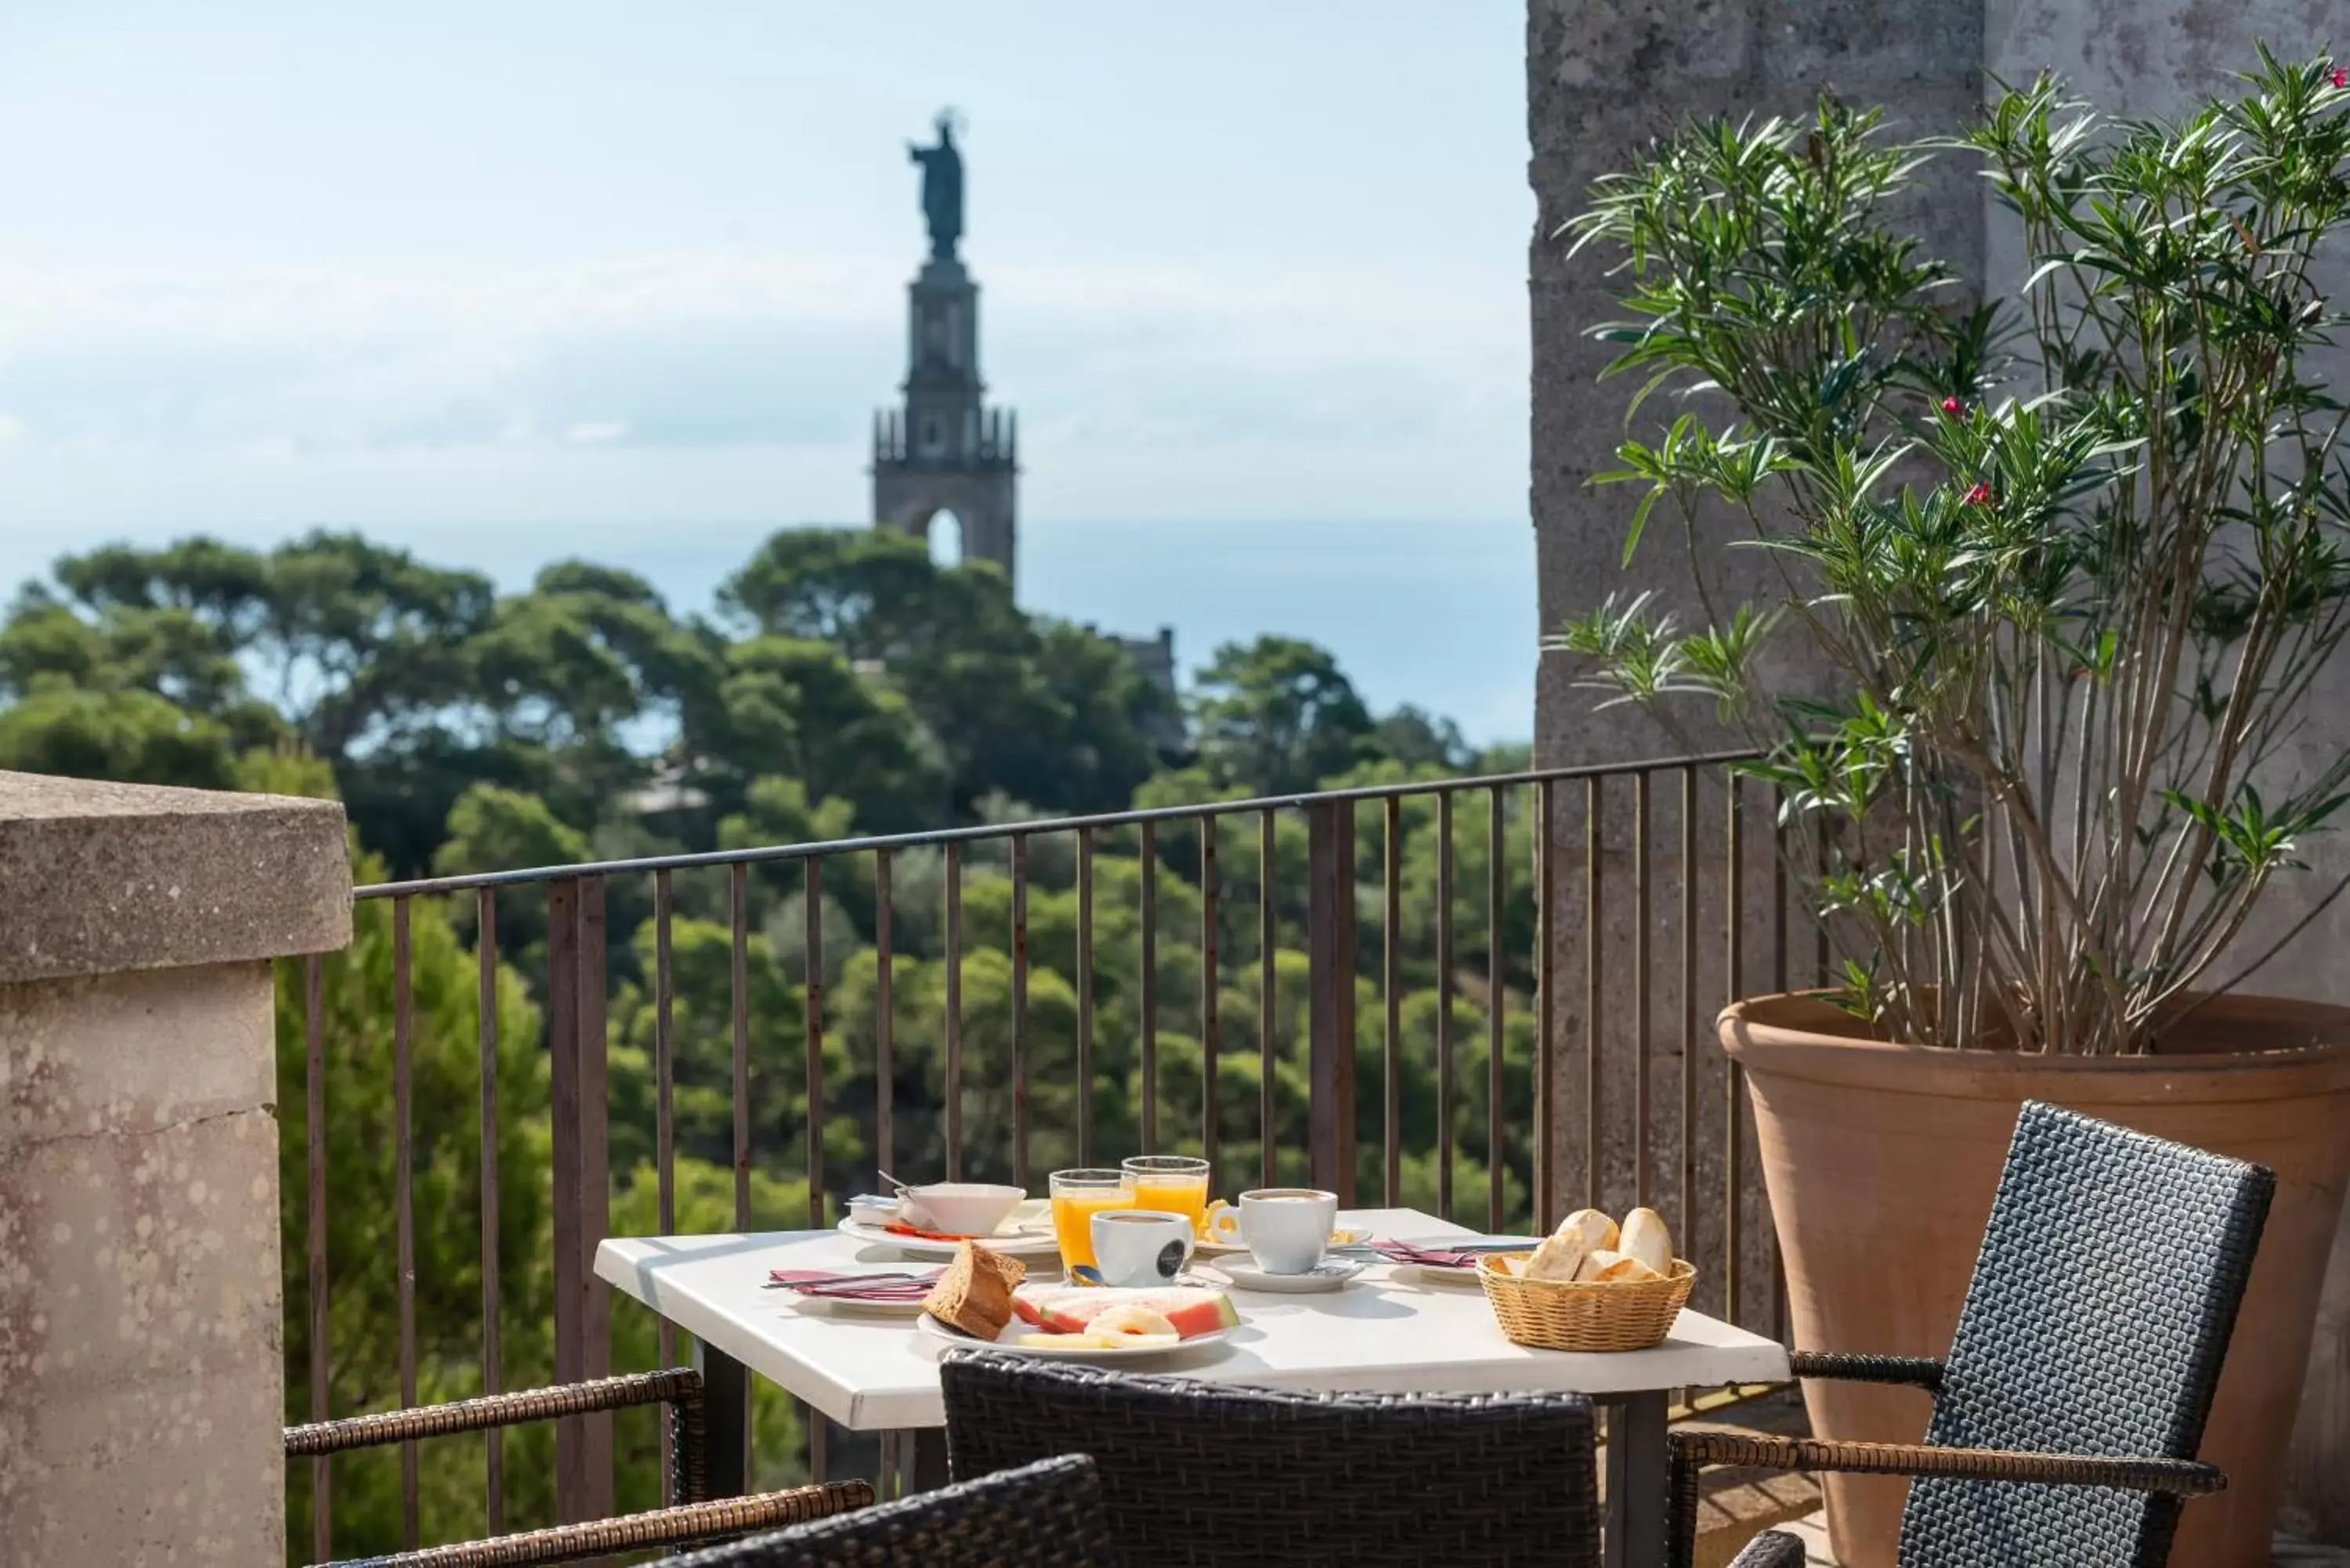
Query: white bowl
[[960, 1208]]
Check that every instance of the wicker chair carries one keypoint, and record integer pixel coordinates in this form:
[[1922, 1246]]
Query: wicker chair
[[1044, 1515], [693, 1520], [2067, 1414], [1200, 1473], [1772, 1549]]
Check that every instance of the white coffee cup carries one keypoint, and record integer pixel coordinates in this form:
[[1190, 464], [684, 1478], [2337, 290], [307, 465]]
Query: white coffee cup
[[1286, 1229], [1140, 1247]]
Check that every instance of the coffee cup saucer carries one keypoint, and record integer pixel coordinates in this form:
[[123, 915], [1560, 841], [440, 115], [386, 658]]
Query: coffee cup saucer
[[1329, 1274]]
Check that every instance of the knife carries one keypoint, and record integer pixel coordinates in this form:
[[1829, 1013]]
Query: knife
[[1479, 1244]]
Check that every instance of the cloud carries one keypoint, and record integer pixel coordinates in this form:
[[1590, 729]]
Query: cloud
[[1315, 392], [330, 362]]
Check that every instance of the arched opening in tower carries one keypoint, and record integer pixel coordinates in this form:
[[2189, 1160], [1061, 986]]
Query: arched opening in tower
[[944, 532]]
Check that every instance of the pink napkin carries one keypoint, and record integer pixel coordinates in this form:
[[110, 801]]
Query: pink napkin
[[1425, 1257], [851, 1287]]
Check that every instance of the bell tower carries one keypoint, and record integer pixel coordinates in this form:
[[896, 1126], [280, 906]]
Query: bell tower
[[942, 448]]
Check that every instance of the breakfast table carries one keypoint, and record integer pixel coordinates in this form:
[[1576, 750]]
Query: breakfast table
[[1385, 1332]]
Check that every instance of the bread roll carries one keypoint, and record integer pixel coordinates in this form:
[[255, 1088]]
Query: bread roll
[[1595, 1228], [1646, 1239], [1558, 1257], [1602, 1267]]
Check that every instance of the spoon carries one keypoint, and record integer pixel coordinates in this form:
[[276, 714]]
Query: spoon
[[901, 1186], [1090, 1275]]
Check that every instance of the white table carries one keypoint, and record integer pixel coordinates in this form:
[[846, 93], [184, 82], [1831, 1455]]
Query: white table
[[1380, 1336]]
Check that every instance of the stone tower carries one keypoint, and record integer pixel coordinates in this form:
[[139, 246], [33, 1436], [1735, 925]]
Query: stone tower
[[943, 449]]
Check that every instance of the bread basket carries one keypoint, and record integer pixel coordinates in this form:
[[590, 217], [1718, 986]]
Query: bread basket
[[1552, 1314]]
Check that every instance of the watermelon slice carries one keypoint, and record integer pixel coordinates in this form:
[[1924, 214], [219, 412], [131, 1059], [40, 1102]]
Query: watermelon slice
[[1192, 1309]]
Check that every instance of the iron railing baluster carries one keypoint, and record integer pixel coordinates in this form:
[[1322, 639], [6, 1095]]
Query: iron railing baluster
[[404, 1200]]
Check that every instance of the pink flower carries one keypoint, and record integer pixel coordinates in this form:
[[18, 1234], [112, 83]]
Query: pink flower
[[1979, 496], [2342, 77], [1950, 405]]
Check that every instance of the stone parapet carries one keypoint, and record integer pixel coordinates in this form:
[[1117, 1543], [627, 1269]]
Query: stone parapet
[[101, 878], [142, 1384]]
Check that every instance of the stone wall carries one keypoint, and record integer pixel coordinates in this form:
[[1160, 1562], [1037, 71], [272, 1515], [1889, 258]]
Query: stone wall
[[2130, 58], [1602, 75]]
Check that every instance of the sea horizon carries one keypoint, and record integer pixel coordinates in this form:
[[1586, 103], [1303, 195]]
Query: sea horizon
[[1437, 613]]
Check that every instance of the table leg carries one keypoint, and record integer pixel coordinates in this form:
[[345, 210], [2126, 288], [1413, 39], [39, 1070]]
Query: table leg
[[930, 1459], [726, 1420], [1637, 1460]]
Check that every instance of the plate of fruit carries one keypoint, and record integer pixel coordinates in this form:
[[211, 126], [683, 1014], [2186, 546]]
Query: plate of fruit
[[981, 1299]]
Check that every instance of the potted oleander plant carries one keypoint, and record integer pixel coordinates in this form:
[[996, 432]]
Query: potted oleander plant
[[2053, 576]]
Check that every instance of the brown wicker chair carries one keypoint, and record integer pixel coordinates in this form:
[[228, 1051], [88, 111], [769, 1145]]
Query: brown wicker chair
[[1044, 1515], [691, 1521], [2067, 1415]]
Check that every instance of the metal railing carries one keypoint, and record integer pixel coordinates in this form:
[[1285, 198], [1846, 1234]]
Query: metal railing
[[1630, 864]]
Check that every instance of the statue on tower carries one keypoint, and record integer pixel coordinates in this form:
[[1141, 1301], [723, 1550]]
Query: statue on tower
[[941, 187]]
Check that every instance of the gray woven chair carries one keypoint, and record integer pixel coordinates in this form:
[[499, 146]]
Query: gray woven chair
[[1202, 1474], [1199, 1473], [691, 1521], [1044, 1515], [2067, 1414]]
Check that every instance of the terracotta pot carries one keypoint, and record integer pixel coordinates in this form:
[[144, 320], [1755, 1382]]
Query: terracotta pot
[[1881, 1162]]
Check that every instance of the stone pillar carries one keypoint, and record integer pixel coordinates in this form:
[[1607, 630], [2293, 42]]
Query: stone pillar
[[142, 1384], [1603, 77]]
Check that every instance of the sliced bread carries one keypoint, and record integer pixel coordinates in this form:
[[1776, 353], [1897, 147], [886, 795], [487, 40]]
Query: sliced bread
[[974, 1294], [1602, 1267]]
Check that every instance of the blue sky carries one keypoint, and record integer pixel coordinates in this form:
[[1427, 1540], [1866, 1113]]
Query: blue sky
[[509, 282]]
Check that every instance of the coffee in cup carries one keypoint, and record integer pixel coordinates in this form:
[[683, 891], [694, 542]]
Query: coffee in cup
[[1286, 1229], [1140, 1247]]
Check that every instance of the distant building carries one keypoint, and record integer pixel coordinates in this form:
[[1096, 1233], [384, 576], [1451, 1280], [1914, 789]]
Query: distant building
[[943, 449], [666, 793], [1154, 657]]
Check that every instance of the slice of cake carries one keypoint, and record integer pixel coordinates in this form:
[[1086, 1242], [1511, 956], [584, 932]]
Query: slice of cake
[[974, 1294]]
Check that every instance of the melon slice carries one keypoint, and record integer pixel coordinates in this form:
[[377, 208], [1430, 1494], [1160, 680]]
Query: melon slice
[[1134, 1327], [1189, 1309]]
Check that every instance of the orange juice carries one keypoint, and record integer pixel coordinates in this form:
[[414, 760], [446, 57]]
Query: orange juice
[[1078, 1196], [1175, 1184]]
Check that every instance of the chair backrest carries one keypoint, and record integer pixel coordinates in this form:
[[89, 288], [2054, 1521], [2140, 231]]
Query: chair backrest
[[2099, 1313], [1198, 1473], [1047, 1515]]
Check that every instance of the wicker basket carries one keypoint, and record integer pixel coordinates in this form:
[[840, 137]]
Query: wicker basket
[[1549, 1315]]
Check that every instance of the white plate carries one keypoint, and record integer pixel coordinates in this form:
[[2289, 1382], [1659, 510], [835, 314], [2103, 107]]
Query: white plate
[[1339, 1238], [1461, 1279], [1455, 1279], [1011, 1244], [843, 1306], [1330, 1274], [948, 1335]]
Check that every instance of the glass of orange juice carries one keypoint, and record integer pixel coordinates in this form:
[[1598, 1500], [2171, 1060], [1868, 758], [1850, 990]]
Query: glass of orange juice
[[1176, 1183], [1078, 1196]]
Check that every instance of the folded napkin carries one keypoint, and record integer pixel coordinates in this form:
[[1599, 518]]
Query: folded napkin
[[848, 1287], [1425, 1257]]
